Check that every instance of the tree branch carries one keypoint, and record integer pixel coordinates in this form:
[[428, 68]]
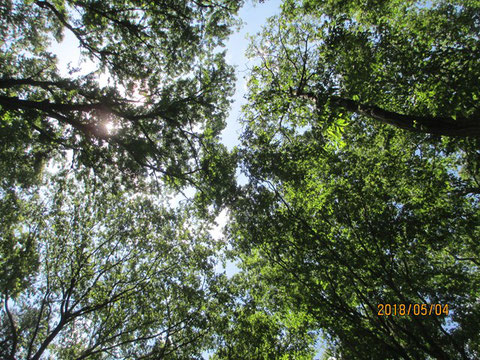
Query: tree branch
[[63, 320], [14, 330], [16, 103], [46, 5], [6, 83], [435, 125]]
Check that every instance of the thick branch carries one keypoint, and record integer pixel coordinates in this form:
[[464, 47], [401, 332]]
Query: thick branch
[[6, 83], [435, 125], [14, 330], [16, 103], [63, 320]]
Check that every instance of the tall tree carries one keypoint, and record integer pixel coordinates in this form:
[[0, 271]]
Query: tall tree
[[167, 95], [382, 220], [344, 212], [111, 276], [410, 64]]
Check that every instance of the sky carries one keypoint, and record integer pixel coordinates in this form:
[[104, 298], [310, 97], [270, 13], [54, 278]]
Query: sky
[[254, 17]]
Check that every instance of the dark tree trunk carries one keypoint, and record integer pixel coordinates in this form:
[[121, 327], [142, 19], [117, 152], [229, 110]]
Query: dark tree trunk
[[435, 125]]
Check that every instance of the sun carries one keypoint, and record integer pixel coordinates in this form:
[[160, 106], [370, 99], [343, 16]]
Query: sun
[[110, 127]]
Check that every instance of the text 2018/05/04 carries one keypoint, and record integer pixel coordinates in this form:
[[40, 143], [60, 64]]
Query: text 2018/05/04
[[412, 309]]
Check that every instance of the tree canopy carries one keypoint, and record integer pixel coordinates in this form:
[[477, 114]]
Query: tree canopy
[[166, 99], [110, 275], [361, 151], [344, 212], [404, 63], [382, 220]]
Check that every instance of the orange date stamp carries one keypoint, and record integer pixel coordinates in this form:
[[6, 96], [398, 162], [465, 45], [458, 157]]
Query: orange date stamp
[[412, 309]]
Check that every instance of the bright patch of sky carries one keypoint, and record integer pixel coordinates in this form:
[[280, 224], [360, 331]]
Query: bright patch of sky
[[254, 17], [70, 61]]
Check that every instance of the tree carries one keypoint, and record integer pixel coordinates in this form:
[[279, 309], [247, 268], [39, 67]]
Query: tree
[[259, 324], [115, 276], [163, 108], [385, 219], [344, 212], [91, 273], [409, 64]]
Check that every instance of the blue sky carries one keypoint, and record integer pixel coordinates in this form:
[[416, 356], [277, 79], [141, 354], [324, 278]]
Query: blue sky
[[253, 17]]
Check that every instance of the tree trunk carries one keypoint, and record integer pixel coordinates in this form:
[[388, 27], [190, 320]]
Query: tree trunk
[[435, 125]]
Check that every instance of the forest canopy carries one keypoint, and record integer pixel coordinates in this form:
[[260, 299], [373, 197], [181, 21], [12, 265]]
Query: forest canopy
[[162, 109], [361, 152]]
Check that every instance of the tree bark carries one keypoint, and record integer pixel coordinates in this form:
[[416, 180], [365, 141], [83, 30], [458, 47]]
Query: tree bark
[[16, 103], [435, 125]]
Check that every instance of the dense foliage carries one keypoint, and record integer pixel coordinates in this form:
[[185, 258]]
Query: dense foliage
[[383, 220], [111, 275], [160, 112], [362, 153], [344, 211]]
